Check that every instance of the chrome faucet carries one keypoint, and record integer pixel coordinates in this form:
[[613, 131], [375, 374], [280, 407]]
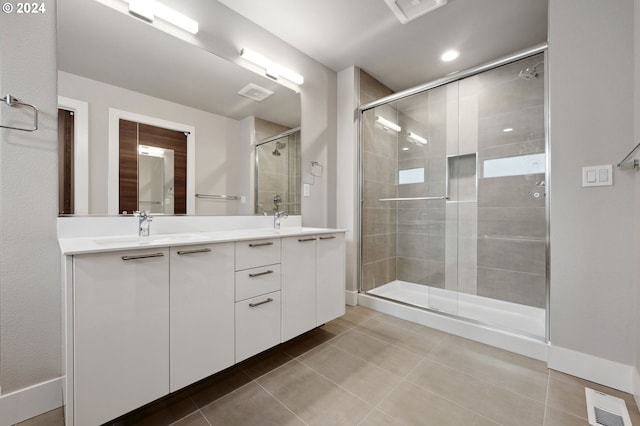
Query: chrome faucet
[[144, 222], [276, 219]]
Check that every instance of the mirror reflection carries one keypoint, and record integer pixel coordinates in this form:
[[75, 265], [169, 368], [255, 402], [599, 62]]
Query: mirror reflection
[[117, 67], [278, 174]]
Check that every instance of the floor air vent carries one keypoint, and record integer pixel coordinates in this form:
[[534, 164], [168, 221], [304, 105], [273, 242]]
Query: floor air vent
[[606, 410]]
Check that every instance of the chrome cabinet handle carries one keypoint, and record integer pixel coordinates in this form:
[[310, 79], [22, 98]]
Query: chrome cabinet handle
[[258, 274], [328, 238], [253, 305], [204, 250], [270, 243], [142, 256], [302, 240]]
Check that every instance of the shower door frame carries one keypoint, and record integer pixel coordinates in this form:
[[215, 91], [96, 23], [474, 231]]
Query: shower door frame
[[523, 54]]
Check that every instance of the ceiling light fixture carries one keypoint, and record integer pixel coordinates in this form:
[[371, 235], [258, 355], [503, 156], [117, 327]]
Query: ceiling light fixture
[[416, 138], [508, 129], [386, 124], [449, 55], [271, 69], [151, 9]]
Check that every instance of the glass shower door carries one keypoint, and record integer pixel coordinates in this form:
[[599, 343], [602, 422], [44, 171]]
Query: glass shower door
[[409, 233]]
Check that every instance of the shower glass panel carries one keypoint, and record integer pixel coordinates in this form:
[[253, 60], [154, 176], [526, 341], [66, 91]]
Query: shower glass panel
[[454, 210]]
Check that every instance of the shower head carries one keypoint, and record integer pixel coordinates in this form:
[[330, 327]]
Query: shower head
[[530, 73], [280, 145]]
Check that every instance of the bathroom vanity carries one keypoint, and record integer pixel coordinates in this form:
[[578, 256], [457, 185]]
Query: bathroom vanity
[[147, 316]]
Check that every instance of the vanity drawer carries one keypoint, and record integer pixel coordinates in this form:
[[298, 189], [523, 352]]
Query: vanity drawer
[[256, 281], [254, 253], [257, 325]]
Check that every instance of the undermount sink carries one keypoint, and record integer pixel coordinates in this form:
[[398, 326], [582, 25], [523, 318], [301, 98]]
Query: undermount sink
[[151, 239]]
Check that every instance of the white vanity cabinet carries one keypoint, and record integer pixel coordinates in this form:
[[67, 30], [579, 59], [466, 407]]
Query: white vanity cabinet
[[330, 277], [121, 332], [298, 285], [201, 312], [147, 321], [258, 297]]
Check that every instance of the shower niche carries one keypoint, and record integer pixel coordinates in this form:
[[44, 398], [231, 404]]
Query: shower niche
[[450, 220], [462, 183]]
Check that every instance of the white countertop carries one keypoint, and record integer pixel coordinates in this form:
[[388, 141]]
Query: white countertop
[[72, 246]]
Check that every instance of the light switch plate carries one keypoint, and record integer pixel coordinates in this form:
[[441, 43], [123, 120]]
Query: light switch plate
[[306, 189], [597, 175]]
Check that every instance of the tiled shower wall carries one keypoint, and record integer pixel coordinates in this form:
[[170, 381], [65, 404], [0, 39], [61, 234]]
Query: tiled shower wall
[[380, 165], [489, 239], [511, 210]]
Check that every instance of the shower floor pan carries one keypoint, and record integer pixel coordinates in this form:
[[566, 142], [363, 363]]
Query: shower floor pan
[[511, 316]]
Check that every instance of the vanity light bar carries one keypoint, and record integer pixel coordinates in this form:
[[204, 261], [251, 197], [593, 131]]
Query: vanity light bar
[[388, 124], [150, 150], [272, 69], [416, 138], [150, 9]]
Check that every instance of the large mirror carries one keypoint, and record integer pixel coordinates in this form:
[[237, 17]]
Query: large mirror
[[114, 68]]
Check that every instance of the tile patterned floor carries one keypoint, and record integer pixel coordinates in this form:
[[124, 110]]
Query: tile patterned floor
[[368, 368]]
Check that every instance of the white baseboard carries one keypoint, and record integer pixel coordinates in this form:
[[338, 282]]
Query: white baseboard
[[351, 298], [605, 372], [18, 406]]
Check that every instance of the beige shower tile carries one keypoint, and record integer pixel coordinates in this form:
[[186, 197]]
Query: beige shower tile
[[194, 419]]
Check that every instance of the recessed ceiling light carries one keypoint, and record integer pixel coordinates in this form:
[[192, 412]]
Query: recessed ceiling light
[[508, 129], [449, 55], [405, 149]]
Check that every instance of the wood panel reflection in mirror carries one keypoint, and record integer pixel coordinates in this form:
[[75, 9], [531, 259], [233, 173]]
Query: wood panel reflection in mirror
[[133, 180]]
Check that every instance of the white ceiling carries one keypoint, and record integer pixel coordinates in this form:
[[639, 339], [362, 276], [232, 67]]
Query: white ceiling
[[366, 33]]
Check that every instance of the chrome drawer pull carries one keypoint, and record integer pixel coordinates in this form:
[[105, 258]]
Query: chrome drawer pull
[[142, 256], [270, 243], [328, 238], [258, 274], [302, 240], [204, 250], [253, 305]]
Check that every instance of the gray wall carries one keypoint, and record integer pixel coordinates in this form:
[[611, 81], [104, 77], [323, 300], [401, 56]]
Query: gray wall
[[637, 192], [30, 296], [592, 240]]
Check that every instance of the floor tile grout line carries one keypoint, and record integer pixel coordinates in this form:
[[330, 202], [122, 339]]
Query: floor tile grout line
[[484, 381], [337, 384], [283, 404], [467, 408], [546, 400]]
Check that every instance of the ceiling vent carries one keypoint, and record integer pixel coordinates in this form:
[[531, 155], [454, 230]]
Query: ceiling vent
[[408, 10], [255, 92]]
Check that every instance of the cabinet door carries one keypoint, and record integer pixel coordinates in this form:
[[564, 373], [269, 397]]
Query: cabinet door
[[298, 285], [330, 277], [257, 324], [121, 332], [202, 306]]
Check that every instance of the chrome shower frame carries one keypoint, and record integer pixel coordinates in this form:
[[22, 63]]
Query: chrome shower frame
[[535, 50]]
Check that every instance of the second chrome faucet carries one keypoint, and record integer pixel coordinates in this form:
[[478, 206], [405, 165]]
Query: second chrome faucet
[[144, 222]]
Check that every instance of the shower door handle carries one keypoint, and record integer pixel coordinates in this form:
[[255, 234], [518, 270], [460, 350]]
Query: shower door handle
[[444, 197]]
